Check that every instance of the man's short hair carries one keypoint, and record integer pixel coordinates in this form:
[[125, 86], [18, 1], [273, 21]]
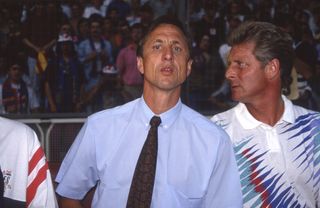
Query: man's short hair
[[270, 42], [165, 19]]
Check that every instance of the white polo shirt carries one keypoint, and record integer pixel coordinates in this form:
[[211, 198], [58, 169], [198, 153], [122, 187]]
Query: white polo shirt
[[279, 165]]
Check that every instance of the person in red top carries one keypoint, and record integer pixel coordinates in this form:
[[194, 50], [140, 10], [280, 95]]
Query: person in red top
[[130, 77]]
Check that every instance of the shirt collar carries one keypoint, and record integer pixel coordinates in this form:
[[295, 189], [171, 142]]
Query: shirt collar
[[288, 115], [247, 121], [167, 118]]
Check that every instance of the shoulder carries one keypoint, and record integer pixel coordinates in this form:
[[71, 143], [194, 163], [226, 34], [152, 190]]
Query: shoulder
[[199, 121], [107, 123], [111, 115], [301, 113], [7, 125], [224, 117], [15, 131]]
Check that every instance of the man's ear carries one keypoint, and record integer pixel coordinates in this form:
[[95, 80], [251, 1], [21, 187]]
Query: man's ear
[[273, 69], [189, 66], [140, 64]]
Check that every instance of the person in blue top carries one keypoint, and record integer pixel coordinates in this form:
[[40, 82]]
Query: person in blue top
[[94, 54], [195, 161]]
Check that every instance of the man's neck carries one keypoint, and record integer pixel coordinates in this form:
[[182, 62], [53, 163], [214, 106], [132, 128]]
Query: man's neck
[[267, 112], [160, 102]]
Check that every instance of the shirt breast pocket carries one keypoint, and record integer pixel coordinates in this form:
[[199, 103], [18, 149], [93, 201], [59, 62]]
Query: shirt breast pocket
[[188, 200], [189, 193]]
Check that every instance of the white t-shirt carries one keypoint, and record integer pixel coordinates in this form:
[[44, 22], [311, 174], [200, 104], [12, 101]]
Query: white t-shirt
[[27, 179]]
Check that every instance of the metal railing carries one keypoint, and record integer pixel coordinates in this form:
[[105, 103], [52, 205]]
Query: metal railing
[[56, 132]]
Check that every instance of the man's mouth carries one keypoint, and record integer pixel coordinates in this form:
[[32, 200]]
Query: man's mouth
[[167, 69]]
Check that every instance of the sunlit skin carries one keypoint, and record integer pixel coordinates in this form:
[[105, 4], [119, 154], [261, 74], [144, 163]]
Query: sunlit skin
[[165, 64], [245, 74], [255, 85]]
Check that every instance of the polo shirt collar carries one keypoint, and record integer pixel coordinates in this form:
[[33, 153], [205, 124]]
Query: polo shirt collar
[[167, 118], [247, 121]]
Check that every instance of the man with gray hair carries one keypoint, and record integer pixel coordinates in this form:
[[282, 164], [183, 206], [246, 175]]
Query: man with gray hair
[[277, 144]]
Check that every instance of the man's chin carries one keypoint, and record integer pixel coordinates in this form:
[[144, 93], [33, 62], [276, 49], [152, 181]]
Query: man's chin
[[236, 98]]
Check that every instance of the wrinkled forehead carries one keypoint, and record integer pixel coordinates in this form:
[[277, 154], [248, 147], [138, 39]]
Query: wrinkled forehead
[[163, 32], [168, 32]]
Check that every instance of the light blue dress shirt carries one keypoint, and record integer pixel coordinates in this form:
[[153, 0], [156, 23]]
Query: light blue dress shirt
[[195, 166]]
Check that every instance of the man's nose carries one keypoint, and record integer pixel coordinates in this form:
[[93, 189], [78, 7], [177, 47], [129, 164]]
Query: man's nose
[[230, 73], [167, 53]]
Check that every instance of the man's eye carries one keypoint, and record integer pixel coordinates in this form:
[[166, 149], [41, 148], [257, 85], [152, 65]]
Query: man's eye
[[242, 65], [177, 49], [156, 47]]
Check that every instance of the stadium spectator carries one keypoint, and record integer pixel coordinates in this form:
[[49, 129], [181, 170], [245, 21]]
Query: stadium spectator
[[201, 82], [76, 15], [82, 32], [94, 53], [134, 16], [147, 15], [306, 55], [39, 36], [17, 96], [63, 77], [121, 6], [130, 77], [161, 7]]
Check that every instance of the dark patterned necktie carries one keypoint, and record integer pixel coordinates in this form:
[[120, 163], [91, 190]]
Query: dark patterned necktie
[[141, 189]]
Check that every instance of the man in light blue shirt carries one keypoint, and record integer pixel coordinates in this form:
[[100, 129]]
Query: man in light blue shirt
[[195, 161]]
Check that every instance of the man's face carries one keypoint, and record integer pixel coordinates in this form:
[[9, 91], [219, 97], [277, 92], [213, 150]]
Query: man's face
[[66, 47], [95, 29], [136, 34], [66, 29], [15, 73], [205, 43], [247, 78], [84, 28], [107, 25], [165, 62], [76, 10]]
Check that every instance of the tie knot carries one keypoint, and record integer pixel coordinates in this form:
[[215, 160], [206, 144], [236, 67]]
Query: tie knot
[[155, 121]]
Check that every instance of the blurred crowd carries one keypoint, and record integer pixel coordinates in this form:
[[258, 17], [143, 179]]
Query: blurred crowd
[[59, 56]]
